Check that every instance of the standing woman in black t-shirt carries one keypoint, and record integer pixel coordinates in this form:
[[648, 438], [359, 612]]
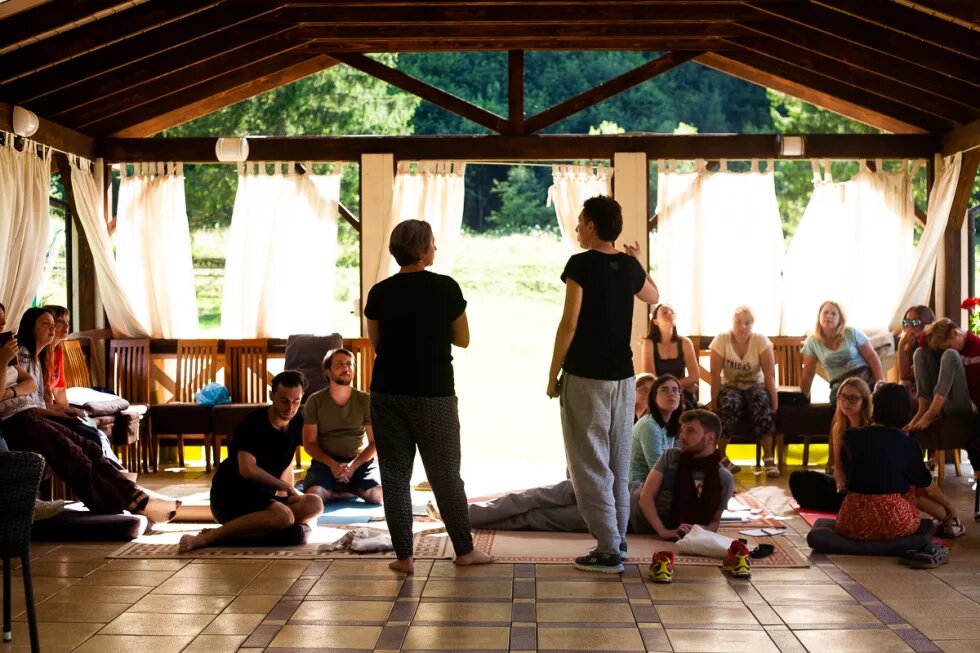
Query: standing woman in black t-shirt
[[414, 317], [597, 393]]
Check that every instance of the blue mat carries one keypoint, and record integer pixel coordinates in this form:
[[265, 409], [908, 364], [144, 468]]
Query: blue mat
[[350, 511]]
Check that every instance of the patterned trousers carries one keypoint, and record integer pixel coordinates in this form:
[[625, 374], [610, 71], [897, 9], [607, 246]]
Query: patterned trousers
[[732, 404], [402, 423]]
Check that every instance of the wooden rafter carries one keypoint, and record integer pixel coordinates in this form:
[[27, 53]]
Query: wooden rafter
[[856, 96], [560, 43], [967, 11], [939, 61], [178, 80], [815, 96], [910, 22], [436, 96], [964, 188], [97, 34], [543, 147], [51, 16], [831, 51], [155, 43], [963, 138], [606, 90], [212, 95], [858, 78], [515, 92], [396, 34]]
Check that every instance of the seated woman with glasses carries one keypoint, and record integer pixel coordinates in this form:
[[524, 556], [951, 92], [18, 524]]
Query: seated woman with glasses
[[656, 431], [914, 325], [841, 350]]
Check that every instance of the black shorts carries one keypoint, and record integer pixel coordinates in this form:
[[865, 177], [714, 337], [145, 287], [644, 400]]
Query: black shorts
[[231, 503]]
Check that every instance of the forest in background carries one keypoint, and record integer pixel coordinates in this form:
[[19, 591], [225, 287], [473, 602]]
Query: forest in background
[[688, 99]]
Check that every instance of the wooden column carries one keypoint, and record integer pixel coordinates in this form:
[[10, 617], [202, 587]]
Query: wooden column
[[377, 188], [84, 287], [515, 92], [955, 255], [630, 188]]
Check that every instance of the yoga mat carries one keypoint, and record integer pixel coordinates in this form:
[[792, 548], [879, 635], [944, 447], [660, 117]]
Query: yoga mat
[[350, 511]]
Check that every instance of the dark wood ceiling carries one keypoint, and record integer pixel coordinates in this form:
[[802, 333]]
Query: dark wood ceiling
[[135, 67]]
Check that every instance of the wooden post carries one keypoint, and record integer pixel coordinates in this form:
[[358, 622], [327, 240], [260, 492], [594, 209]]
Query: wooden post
[[377, 188], [954, 252], [84, 288], [515, 92], [630, 188]]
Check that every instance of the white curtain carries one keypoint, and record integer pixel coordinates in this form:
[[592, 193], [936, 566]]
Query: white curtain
[[87, 187], [572, 186], [153, 249], [282, 251], [852, 245], [432, 191], [25, 177], [918, 282], [719, 245]]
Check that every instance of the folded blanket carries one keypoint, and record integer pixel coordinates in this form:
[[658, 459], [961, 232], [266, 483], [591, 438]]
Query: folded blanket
[[98, 404], [361, 540]]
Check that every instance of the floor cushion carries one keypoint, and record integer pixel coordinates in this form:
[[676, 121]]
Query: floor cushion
[[824, 538], [79, 525]]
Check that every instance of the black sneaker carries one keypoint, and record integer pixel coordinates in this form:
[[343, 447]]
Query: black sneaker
[[622, 551], [605, 563]]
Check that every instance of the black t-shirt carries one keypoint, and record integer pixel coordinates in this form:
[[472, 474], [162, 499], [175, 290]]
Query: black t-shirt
[[414, 312], [600, 348], [273, 449], [882, 460]]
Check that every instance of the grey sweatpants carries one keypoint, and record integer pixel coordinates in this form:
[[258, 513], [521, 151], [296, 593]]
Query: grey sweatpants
[[942, 375], [597, 424]]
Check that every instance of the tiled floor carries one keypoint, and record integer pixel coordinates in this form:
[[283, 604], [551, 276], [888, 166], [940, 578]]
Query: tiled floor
[[90, 604]]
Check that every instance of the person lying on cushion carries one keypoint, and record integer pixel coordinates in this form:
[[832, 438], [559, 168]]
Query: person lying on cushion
[[252, 493], [687, 486]]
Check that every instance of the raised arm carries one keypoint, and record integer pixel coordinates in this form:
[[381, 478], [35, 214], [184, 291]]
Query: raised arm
[[649, 292]]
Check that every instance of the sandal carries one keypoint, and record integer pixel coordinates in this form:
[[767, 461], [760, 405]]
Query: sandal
[[730, 466], [952, 527], [930, 557], [772, 470]]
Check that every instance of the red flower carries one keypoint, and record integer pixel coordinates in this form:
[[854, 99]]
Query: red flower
[[970, 303]]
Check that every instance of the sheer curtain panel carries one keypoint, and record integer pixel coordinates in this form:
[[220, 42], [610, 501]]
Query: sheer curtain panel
[[853, 243], [572, 186], [282, 252], [87, 187], [25, 177], [153, 249], [719, 245], [432, 191]]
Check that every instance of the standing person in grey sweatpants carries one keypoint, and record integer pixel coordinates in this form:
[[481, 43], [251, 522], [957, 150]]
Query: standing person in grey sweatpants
[[597, 393]]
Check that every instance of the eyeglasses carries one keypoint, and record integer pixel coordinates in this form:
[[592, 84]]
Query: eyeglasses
[[911, 323], [850, 399], [669, 390]]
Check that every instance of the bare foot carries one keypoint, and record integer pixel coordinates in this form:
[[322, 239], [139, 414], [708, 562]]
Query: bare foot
[[190, 542], [474, 557], [161, 509], [404, 566]]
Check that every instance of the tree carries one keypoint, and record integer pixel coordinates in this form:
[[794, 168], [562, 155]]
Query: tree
[[333, 102]]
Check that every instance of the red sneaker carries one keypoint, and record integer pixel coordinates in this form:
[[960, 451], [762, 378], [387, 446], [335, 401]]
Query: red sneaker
[[662, 567], [737, 561]]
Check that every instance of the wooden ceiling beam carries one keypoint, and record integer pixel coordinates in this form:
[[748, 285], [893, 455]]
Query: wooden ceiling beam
[[937, 60], [152, 44], [824, 100], [606, 90], [966, 11], [212, 95], [395, 33], [909, 22], [179, 80], [53, 134], [429, 93], [484, 14], [51, 16], [859, 57], [964, 189], [99, 89], [547, 147], [962, 139], [95, 35], [478, 44], [847, 73], [857, 96]]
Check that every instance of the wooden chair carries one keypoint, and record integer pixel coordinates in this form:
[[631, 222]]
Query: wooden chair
[[246, 369], [363, 362], [77, 374], [129, 377], [197, 365]]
